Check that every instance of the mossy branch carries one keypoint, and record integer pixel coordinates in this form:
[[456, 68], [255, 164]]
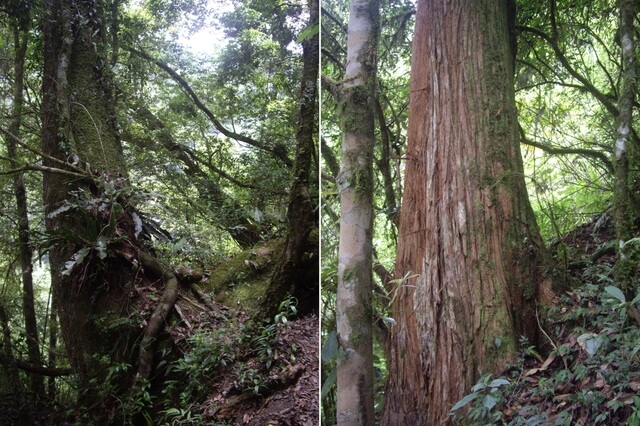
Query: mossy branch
[[158, 318], [39, 168], [41, 154]]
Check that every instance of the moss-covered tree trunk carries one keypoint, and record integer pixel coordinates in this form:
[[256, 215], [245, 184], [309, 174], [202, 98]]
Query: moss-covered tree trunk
[[289, 273], [79, 128], [469, 251], [355, 182], [626, 153]]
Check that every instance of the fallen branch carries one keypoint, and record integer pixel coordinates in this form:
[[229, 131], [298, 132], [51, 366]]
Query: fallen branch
[[285, 378], [203, 297]]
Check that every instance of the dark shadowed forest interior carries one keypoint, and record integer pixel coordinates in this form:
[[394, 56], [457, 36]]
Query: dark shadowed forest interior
[[159, 258], [480, 212]]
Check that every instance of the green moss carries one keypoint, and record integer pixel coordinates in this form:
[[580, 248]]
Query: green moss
[[356, 116], [242, 281], [348, 274]]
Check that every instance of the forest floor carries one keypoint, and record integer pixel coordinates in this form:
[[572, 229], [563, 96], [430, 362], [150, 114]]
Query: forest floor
[[223, 379], [254, 374], [586, 368], [291, 395], [216, 365]]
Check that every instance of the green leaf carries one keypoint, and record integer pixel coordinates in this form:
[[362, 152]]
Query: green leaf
[[464, 401], [76, 259], [116, 209], [326, 386], [389, 321], [308, 32], [590, 342], [65, 207], [496, 383], [489, 402], [330, 347], [258, 216], [616, 292], [137, 223], [481, 384]]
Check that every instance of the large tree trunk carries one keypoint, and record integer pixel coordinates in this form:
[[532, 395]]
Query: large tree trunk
[[469, 246], [355, 183], [288, 275], [79, 125]]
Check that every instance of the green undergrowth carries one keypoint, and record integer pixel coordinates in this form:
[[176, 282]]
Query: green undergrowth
[[586, 370], [214, 367]]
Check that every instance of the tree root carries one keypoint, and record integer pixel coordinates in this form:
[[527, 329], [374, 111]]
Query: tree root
[[158, 317], [202, 297], [287, 377]]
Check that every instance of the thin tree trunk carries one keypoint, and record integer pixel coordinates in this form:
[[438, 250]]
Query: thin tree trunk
[[9, 360], [355, 183], [24, 240], [469, 250], [626, 156], [287, 273]]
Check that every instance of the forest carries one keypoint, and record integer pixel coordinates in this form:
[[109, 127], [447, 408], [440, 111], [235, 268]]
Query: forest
[[159, 185], [394, 212], [480, 228]]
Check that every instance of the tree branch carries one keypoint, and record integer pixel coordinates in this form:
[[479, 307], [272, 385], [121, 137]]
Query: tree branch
[[329, 158], [601, 97], [331, 86], [335, 20], [39, 168], [148, 119], [40, 153], [277, 151], [42, 370], [564, 151]]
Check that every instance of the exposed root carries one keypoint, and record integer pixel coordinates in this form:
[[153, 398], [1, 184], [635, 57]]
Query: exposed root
[[158, 317]]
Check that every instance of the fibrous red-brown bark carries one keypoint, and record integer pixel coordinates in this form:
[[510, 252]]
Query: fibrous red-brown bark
[[467, 232]]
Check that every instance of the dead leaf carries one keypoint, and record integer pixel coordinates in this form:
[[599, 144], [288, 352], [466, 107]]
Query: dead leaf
[[564, 397], [531, 372], [547, 362]]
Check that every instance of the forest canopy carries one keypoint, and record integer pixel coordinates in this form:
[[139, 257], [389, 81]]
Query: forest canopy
[[159, 178]]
